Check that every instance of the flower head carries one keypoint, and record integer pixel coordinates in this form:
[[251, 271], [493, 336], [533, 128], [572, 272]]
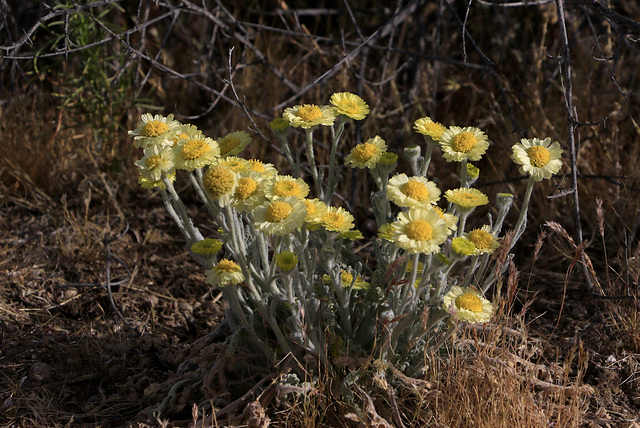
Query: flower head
[[367, 154], [232, 144], [466, 304], [145, 183], [226, 272], [466, 198], [449, 219], [195, 152], [419, 231], [347, 280], [235, 163], [184, 132], [280, 217], [155, 162], [315, 209], [220, 183], [336, 219], [407, 191], [154, 130], [280, 126], [249, 192], [463, 143], [349, 105], [207, 247], [266, 169], [386, 232], [428, 127], [462, 246], [286, 260], [309, 115], [285, 185], [483, 240], [538, 158]]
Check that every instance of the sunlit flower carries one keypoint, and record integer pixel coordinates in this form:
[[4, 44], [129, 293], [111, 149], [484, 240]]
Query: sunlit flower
[[232, 144], [463, 143], [249, 192], [207, 247], [467, 304], [195, 152], [462, 246], [386, 232], [266, 169], [309, 115], [336, 219], [428, 127], [484, 241], [538, 158], [286, 260], [226, 272], [407, 191], [280, 217], [184, 132], [419, 231], [349, 105], [367, 154], [155, 162], [315, 209], [285, 185], [154, 130], [466, 198], [220, 184], [235, 163], [449, 219]]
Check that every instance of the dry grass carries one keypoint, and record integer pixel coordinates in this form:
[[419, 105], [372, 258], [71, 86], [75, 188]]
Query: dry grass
[[542, 363]]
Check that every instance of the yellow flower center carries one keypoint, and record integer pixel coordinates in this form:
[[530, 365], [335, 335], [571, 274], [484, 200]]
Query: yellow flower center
[[433, 129], [218, 180], [154, 128], [256, 165], [333, 219], [226, 265], [463, 142], [179, 137], [247, 187], [309, 206], [346, 277], [470, 302], [481, 239], [286, 188], [154, 161], [309, 113], [228, 144], [419, 230], [363, 152], [278, 211], [539, 156], [194, 148], [415, 190]]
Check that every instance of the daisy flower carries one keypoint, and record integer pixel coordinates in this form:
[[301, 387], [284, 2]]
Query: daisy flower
[[226, 272], [315, 209], [367, 154], [220, 184], [463, 247], [349, 105], [449, 219], [538, 158], [386, 232], [346, 279], [266, 169], [235, 163], [285, 185], [466, 304], [286, 260], [466, 198], [195, 152], [459, 144], [407, 191], [145, 183], [280, 217], [184, 132], [419, 231], [232, 144], [249, 192], [207, 247], [155, 162], [336, 219], [154, 130], [428, 127], [483, 240], [309, 115]]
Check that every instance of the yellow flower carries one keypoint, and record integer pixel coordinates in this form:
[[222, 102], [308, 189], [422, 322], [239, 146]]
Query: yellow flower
[[145, 183], [449, 219], [463, 143], [285, 185], [235, 163], [336, 220], [249, 192], [280, 217], [367, 154], [349, 105], [226, 272], [184, 132], [466, 304], [266, 169], [386, 232], [155, 162], [207, 247], [462, 246], [412, 191], [483, 240], [347, 280], [352, 235], [315, 209], [466, 198], [232, 144], [286, 260], [195, 152], [428, 127], [309, 115], [538, 158], [154, 130], [220, 184], [419, 231]]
